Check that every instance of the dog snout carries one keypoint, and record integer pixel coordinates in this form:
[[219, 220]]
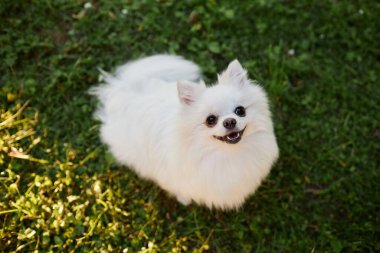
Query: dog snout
[[229, 123]]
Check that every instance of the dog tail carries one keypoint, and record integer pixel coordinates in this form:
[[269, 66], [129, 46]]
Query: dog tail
[[163, 67], [136, 76]]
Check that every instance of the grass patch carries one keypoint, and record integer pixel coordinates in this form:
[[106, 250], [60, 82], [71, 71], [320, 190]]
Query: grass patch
[[319, 61]]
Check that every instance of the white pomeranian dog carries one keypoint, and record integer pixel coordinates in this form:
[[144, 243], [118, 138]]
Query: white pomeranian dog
[[211, 145]]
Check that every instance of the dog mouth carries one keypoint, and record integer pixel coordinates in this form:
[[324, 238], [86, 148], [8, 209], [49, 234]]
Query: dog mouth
[[232, 137]]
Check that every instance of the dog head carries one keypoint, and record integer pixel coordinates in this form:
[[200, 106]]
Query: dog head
[[227, 113]]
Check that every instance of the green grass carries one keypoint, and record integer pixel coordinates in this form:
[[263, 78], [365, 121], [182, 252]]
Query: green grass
[[319, 61]]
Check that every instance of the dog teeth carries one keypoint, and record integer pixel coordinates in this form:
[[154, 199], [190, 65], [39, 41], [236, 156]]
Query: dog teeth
[[233, 138]]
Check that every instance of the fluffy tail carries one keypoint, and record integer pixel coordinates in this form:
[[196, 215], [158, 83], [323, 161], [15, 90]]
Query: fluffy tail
[[164, 67], [133, 75]]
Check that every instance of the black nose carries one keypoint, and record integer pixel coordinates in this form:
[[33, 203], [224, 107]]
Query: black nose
[[229, 123]]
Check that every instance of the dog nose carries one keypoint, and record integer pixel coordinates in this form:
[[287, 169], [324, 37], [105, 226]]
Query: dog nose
[[229, 123]]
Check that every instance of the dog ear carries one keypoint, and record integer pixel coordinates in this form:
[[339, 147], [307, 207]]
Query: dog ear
[[234, 74], [188, 92]]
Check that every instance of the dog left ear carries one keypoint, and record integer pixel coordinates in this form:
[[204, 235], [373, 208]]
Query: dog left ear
[[234, 74], [189, 92]]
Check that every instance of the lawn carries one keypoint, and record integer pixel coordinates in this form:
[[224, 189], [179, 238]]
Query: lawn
[[319, 61]]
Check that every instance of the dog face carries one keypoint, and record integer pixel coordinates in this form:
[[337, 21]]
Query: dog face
[[226, 113], [226, 118]]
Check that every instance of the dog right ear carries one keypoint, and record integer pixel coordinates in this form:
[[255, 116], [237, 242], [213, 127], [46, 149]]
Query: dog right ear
[[189, 92]]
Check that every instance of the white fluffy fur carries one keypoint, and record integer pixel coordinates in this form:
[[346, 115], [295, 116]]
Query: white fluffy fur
[[156, 126]]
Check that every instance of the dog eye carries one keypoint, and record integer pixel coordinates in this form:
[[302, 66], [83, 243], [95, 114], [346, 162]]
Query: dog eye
[[240, 111], [211, 120]]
